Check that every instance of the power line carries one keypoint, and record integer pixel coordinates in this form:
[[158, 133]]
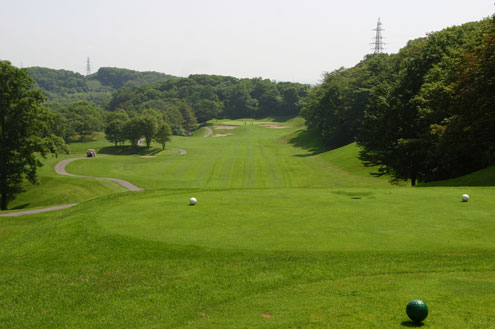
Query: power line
[[378, 38], [88, 67]]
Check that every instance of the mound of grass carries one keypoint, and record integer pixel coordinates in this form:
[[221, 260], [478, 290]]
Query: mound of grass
[[307, 219], [251, 259], [62, 190], [484, 177], [347, 159]]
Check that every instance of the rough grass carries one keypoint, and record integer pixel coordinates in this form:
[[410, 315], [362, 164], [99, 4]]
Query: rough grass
[[282, 237]]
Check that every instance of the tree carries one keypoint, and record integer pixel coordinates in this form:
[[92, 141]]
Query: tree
[[206, 109], [61, 127], [84, 117], [337, 107], [187, 113], [133, 130], [163, 134], [290, 98], [114, 131], [149, 125], [393, 135], [114, 127], [467, 140], [24, 131], [411, 128], [240, 104]]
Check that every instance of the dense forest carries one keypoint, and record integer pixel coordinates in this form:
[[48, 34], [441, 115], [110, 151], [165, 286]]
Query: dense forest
[[211, 96], [426, 113], [127, 104]]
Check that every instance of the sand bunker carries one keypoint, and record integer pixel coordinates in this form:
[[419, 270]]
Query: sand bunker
[[272, 126], [225, 127], [147, 156], [221, 135]]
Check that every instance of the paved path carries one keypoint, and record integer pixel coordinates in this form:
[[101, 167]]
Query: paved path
[[38, 211], [60, 169], [181, 151], [208, 132]]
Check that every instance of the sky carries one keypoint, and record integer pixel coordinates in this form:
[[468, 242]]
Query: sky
[[283, 40]]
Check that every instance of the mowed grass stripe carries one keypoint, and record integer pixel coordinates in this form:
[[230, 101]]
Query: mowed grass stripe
[[335, 251], [266, 160], [246, 171]]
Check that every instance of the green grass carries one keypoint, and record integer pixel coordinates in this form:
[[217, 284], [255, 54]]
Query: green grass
[[484, 177], [282, 237], [346, 158], [252, 157], [309, 220], [55, 189]]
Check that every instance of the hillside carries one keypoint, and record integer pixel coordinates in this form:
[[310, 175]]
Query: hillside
[[68, 86], [484, 177]]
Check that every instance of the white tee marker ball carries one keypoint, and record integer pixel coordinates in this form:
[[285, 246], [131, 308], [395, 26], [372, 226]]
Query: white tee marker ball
[[193, 201], [465, 198]]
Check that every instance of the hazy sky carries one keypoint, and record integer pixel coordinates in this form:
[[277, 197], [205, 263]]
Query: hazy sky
[[283, 40]]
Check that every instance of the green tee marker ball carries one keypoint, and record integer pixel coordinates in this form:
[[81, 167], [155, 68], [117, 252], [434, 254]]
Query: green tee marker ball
[[417, 310]]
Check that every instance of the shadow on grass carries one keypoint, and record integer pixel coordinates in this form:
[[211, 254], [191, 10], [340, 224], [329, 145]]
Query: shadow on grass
[[21, 206], [82, 139], [127, 150], [483, 177], [280, 118], [310, 141], [276, 118], [412, 324]]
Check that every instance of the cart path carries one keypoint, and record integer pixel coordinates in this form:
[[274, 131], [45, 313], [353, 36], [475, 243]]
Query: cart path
[[181, 151], [38, 211], [208, 131], [60, 169]]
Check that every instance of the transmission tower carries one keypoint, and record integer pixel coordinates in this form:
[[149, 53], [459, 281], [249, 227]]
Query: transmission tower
[[88, 67], [378, 38]]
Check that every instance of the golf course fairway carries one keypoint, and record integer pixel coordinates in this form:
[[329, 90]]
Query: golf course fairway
[[284, 235]]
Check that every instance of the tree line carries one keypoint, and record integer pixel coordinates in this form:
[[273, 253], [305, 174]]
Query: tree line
[[426, 113], [83, 105], [212, 96]]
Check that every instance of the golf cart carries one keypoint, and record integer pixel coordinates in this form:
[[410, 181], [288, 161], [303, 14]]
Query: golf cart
[[91, 153]]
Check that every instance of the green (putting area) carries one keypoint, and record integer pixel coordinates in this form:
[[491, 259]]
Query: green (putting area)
[[284, 235]]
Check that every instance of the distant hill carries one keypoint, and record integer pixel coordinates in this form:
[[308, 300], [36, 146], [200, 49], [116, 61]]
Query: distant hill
[[68, 86], [118, 78]]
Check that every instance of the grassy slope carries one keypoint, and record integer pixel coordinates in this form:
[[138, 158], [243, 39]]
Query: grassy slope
[[484, 177], [346, 158], [273, 251], [55, 189]]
